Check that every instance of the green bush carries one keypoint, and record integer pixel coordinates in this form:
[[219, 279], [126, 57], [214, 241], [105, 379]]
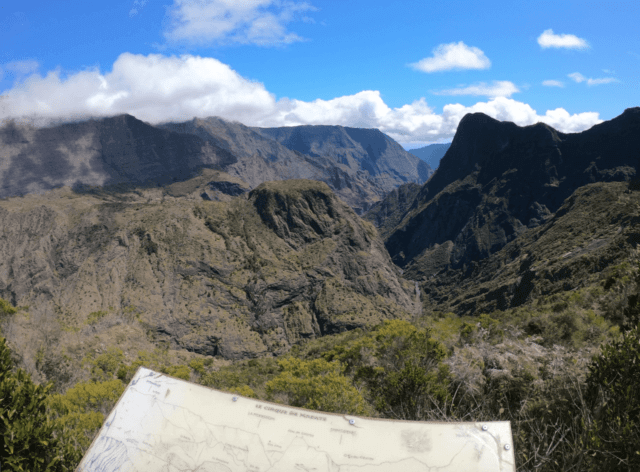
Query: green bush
[[81, 411], [317, 385], [6, 308], [613, 392], [401, 370], [27, 441]]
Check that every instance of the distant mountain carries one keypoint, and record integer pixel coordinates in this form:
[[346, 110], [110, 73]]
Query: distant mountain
[[109, 151], [498, 179], [431, 154], [260, 158], [123, 150], [355, 150]]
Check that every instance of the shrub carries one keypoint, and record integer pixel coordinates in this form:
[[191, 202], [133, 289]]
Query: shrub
[[613, 384], [316, 384], [27, 442]]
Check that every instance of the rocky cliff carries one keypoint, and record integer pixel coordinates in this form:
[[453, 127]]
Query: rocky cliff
[[355, 150], [241, 278], [109, 151], [596, 229], [498, 180], [260, 158]]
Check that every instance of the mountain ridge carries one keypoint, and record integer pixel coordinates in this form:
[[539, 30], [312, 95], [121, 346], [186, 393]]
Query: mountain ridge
[[498, 179]]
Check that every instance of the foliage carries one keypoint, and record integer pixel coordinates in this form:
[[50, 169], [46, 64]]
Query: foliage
[[246, 378], [6, 308], [27, 436], [400, 367], [613, 387], [81, 411], [95, 316], [317, 385]]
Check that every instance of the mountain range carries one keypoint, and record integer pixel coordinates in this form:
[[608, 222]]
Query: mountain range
[[243, 259], [498, 180], [361, 166], [196, 236]]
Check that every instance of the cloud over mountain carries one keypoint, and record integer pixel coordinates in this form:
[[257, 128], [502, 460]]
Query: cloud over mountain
[[158, 88]]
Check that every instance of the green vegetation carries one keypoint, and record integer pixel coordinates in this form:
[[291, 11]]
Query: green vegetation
[[561, 364], [612, 392], [29, 440]]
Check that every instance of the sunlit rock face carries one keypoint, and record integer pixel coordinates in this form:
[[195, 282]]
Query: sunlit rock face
[[242, 277]]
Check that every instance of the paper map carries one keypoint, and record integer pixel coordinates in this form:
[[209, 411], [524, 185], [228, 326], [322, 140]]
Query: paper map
[[163, 424]]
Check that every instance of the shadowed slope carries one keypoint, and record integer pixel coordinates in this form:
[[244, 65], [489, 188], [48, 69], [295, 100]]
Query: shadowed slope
[[499, 179]]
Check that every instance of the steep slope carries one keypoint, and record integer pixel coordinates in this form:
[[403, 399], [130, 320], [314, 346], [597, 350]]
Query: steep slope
[[388, 213], [117, 150], [596, 229], [355, 150], [238, 279], [498, 180], [431, 154], [261, 158]]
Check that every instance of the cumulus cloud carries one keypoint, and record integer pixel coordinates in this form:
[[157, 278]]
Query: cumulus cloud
[[553, 83], [499, 88], [158, 88], [259, 22], [569, 41], [153, 88], [453, 56], [579, 78]]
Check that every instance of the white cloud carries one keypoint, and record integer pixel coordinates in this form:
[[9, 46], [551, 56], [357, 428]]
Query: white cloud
[[603, 80], [550, 40], [158, 88], [553, 83], [260, 22], [499, 88], [453, 56], [579, 78], [136, 7], [18, 69], [153, 88]]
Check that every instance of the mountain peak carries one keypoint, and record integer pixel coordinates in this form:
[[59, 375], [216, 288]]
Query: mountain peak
[[498, 179]]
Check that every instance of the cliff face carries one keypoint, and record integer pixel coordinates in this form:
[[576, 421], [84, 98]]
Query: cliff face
[[596, 229], [355, 150], [102, 152], [260, 158], [239, 278], [123, 150], [498, 180]]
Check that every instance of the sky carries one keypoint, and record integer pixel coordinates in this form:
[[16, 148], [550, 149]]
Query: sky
[[412, 69]]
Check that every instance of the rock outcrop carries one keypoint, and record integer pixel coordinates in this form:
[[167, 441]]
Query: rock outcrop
[[241, 278], [596, 229], [498, 180]]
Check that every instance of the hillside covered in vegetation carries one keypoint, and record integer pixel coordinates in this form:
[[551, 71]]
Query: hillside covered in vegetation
[[284, 293]]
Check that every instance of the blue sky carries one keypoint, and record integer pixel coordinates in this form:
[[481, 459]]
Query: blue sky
[[411, 69]]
